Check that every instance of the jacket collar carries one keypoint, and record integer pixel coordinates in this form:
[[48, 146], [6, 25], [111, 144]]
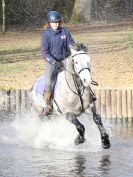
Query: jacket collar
[[55, 32]]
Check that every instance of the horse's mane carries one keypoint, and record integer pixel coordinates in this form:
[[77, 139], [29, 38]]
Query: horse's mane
[[77, 47], [80, 47]]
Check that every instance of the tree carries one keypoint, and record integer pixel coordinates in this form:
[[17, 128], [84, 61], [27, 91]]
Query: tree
[[3, 16], [82, 10], [91, 10]]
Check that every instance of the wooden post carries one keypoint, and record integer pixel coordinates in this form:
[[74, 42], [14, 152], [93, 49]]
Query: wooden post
[[2, 99], [132, 104], [108, 104], [119, 104], [124, 103], [3, 16], [28, 100], [103, 104], [7, 92], [113, 104], [23, 101], [18, 101], [13, 101], [129, 103]]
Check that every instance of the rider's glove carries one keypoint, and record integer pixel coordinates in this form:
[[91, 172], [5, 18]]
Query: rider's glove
[[59, 64]]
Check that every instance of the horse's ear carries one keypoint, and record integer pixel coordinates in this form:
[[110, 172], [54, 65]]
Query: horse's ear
[[79, 47], [85, 47], [82, 47]]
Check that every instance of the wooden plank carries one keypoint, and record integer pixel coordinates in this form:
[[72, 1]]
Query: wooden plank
[[132, 103], [113, 104], [23, 100], [28, 98], [119, 104], [2, 99], [13, 101], [124, 103], [18, 101], [129, 103], [103, 103], [98, 101], [7, 103], [108, 104]]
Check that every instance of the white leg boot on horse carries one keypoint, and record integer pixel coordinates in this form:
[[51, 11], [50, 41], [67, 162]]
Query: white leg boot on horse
[[48, 100]]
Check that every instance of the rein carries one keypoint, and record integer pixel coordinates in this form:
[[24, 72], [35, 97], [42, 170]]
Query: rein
[[78, 85], [79, 54]]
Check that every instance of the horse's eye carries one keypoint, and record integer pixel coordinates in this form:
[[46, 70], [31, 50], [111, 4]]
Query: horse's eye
[[76, 62]]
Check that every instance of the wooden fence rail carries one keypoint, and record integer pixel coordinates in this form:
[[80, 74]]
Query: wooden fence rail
[[15, 101], [110, 103]]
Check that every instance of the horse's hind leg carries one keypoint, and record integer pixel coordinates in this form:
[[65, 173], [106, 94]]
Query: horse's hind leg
[[98, 121], [80, 128]]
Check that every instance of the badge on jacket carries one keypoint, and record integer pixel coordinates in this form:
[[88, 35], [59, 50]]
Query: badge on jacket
[[63, 37]]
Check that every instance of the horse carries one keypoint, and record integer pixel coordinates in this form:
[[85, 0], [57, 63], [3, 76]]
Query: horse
[[72, 94]]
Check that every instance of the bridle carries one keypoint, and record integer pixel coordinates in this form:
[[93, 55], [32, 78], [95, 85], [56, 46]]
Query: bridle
[[75, 75], [78, 84], [77, 81], [82, 68], [92, 82]]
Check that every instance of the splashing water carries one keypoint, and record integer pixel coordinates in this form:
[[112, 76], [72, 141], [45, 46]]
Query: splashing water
[[56, 133], [31, 147]]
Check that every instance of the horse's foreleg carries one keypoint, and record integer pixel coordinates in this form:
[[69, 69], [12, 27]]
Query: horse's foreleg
[[80, 127], [98, 121]]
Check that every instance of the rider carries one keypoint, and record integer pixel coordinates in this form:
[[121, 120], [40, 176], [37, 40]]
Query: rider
[[55, 44]]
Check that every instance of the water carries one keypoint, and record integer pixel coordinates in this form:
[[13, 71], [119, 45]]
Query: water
[[32, 148]]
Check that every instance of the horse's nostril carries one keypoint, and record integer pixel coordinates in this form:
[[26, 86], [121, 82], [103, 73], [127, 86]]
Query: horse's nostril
[[84, 80]]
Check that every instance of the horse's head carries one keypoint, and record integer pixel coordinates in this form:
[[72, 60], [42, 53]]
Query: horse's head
[[81, 64]]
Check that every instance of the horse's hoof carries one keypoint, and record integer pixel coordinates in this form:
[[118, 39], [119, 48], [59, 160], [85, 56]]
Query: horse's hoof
[[80, 139], [105, 141]]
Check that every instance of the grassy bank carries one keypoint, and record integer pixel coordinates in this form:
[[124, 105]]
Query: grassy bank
[[111, 52]]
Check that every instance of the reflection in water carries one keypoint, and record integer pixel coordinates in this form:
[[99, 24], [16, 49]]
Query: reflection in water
[[80, 165], [122, 127], [105, 165], [80, 161], [84, 167]]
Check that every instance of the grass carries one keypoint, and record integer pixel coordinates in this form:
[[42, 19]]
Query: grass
[[19, 42], [120, 37], [110, 50]]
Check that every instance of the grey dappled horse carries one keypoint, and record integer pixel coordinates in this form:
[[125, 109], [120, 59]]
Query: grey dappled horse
[[72, 94]]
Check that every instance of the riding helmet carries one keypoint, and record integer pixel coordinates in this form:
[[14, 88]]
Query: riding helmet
[[53, 17]]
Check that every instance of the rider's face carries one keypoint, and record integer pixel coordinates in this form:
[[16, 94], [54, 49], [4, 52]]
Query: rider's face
[[55, 26]]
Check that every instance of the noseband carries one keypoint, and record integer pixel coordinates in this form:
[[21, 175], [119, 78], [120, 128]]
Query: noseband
[[83, 70]]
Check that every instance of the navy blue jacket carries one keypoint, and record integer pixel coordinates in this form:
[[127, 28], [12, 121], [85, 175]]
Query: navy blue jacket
[[55, 44]]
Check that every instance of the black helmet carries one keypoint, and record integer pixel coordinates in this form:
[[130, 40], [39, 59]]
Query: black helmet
[[53, 17]]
